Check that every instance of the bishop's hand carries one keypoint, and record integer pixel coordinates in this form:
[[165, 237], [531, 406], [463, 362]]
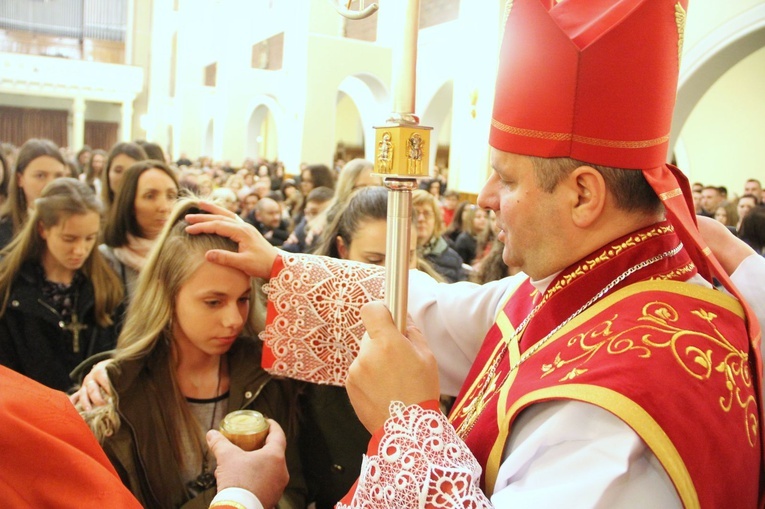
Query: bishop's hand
[[389, 367], [256, 255]]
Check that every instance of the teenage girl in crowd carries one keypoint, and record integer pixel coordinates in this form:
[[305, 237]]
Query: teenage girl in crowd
[[122, 156], [476, 222], [93, 170], [181, 364], [59, 299], [147, 194], [38, 162]]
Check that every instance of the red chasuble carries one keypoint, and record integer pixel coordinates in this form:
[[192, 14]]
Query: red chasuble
[[50, 456], [618, 330]]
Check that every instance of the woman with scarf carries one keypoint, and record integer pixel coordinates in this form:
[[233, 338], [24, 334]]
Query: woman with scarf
[[140, 210]]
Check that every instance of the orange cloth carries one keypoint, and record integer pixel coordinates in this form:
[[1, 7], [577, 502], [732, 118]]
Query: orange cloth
[[50, 457]]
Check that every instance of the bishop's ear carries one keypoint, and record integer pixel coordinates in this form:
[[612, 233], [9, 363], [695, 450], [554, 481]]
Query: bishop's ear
[[590, 191]]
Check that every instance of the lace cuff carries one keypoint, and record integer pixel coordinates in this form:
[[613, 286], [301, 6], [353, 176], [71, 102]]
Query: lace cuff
[[313, 322], [417, 460]]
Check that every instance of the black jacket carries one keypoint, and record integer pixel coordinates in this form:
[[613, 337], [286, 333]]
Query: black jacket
[[33, 340]]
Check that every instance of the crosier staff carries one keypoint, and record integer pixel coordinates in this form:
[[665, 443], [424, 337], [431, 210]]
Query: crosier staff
[[401, 153]]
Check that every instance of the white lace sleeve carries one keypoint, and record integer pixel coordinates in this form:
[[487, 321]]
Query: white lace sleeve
[[313, 327], [419, 462]]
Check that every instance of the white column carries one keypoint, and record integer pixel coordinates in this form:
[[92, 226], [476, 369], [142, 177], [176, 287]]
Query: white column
[[78, 124], [126, 125]]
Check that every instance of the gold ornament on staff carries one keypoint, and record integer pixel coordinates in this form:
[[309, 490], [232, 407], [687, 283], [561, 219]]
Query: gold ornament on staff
[[402, 149]]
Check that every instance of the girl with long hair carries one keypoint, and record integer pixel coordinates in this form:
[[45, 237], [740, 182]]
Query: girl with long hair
[[59, 299], [183, 361], [39, 161], [139, 212], [122, 156], [476, 223], [93, 171]]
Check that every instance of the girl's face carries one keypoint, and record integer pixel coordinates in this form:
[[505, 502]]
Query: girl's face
[[306, 182], [154, 198], [68, 244], [721, 215], [368, 245], [211, 310], [120, 163], [97, 163], [36, 176], [480, 218]]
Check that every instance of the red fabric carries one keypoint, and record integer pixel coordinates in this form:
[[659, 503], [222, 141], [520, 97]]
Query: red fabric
[[583, 80], [447, 215], [656, 332], [50, 456]]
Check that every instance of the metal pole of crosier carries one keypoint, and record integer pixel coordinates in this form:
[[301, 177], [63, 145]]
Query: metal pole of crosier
[[401, 152]]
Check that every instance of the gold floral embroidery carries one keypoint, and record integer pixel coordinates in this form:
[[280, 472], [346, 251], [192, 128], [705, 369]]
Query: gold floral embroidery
[[704, 354], [680, 16], [606, 255], [677, 273]]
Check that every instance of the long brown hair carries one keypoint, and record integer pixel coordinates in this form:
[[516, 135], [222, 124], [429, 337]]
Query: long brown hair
[[61, 199], [148, 324], [122, 218], [132, 150], [16, 205]]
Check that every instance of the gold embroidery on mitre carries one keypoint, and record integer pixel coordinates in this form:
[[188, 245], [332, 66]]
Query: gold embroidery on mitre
[[680, 16], [598, 142], [704, 354]]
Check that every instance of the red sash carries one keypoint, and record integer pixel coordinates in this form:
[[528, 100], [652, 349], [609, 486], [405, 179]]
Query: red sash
[[694, 397]]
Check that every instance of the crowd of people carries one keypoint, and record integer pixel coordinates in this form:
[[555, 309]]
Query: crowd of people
[[588, 361], [94, 243], [743, 214]]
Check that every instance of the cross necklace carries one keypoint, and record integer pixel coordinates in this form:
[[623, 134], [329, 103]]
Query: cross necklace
[[75, 327]]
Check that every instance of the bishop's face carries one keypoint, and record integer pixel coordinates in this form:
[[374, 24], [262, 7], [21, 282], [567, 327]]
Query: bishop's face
[[531, 221]]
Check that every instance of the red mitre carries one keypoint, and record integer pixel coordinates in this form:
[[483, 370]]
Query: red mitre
[[594, 80]]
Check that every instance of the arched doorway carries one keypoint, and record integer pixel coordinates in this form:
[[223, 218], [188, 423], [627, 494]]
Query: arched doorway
[[362, 103], [438, 115], [262, 139]]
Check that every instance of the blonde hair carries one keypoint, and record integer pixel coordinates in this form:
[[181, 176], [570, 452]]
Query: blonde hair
[[346, 180], [148, 325], [61, 199]]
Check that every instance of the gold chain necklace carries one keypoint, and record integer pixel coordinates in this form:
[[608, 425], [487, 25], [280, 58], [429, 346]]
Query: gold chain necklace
[[489, 384]]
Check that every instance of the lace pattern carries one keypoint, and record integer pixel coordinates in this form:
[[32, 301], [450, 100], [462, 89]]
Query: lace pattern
[[317, 328], [420, 462]]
